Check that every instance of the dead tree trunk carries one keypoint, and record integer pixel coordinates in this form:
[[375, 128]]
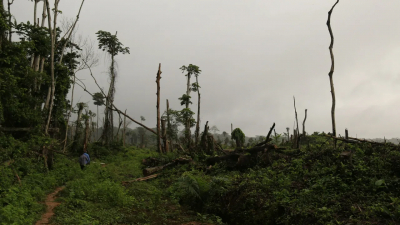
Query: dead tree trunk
[[296, 140], [69, 114], [304, 122], [203, 142], [164, 135], [123, 135], [328, 23], [53, 40], [169, 140], [87, 128], [9, 20], [34, 13], [197, 133], [70, 32], [158, 109], [119, 126], [288, 134]]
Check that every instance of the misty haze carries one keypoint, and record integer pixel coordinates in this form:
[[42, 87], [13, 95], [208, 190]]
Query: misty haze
[[199, 112]]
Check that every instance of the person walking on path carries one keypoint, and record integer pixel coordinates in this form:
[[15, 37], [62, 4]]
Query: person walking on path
[[84, 160]]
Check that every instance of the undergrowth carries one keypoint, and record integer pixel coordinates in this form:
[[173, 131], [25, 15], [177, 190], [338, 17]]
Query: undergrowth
[[20, 201], [316, 185], [313, 185]]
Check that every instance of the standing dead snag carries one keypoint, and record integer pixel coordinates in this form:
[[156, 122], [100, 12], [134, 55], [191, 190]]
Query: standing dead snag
[[288, 134], [328, 23], [123, 134], [196, 87], [86, 140], [304, 122], [167, 136], [52, 38], [164, 136], [296, 133], [158, 109], [203, 142]]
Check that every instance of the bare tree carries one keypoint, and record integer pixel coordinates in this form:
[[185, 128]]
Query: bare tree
[[328, 23], [9, 19], [87, 59], [196, 88], [304, 122], [296, 134], [70, 32], [158, 109], [53, 40]]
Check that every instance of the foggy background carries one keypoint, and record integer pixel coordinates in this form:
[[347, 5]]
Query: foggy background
[[254, 56]]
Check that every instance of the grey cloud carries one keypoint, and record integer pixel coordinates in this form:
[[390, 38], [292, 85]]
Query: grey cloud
[[255, 55]]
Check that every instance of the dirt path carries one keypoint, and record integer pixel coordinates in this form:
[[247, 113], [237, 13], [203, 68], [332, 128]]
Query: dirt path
[[51, 204]]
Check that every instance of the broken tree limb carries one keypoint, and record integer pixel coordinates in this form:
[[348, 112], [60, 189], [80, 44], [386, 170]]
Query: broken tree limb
[[116, 109], [119, 111], [149, 129], [151, 170], [267, 138], [219, 147]]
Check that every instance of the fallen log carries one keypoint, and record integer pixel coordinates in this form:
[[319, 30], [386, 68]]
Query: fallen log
[[352, 140], [232, 157], [239, 156], [342, 139], [373, 142], [151, 170], [141, 179], [150, 161]]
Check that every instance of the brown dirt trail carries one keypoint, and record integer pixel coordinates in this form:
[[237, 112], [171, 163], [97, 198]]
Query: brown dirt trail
[[51, 204]]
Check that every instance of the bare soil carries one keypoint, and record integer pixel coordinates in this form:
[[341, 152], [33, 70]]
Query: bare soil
[[51, 204]]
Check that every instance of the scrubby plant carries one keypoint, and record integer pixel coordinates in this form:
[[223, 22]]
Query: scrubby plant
[[238, 135]]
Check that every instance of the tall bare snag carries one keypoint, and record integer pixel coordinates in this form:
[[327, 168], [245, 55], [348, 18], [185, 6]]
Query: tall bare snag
[[328, 23]]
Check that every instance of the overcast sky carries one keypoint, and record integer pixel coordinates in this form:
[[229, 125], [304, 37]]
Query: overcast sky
[[254, 56]]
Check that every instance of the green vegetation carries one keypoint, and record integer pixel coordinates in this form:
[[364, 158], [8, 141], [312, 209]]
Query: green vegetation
[[238, 136], [314, 185], [19, 201], [324, 181]]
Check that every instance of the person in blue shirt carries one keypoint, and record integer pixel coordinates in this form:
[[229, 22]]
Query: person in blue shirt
[[84, 159]]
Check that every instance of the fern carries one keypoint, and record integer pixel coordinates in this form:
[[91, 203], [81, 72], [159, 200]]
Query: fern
[[189, 187]]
